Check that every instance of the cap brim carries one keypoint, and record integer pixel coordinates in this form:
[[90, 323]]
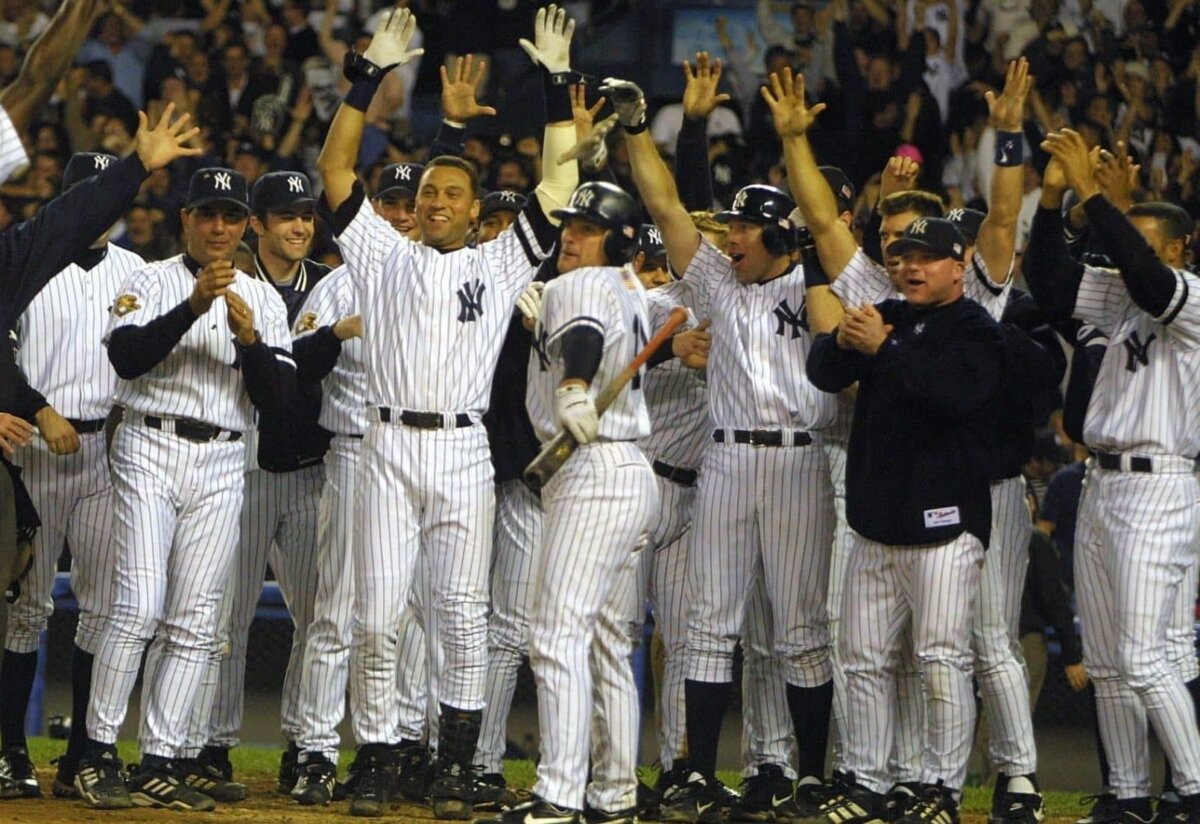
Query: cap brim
[[205, 201], [291, 204], [411, 192], [909, 244], [501, 207]]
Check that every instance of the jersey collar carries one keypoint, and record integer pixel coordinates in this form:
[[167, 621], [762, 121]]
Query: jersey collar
[[300, 284], [88, 259], [192, 264]]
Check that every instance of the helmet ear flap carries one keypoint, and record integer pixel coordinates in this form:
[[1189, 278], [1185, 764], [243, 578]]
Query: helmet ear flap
[[619, 248], [777, 240]]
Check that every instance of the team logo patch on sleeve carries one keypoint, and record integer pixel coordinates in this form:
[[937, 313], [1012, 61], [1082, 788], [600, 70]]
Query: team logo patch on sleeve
[[124, 304], [307, 322]]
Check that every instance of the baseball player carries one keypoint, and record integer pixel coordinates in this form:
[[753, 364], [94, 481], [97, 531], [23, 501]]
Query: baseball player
[[1136, 531], [758, 397], [497, 211], [437, 312], [592, 323], [394, 195], [198, 346], [59, 353], [987, 281], [279, 509]]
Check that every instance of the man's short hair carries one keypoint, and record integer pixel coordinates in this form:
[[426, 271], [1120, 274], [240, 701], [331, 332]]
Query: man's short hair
[[464, 166], [1174, 220], [926, 204]]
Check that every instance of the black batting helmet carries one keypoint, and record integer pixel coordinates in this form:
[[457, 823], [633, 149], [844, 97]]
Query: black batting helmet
[[769, 206], [610, 206]]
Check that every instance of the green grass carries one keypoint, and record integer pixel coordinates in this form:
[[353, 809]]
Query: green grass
[[263, 763]]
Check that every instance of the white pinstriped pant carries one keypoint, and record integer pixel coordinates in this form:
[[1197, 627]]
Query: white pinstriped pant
[[1135, 550], [835, 452], [72, 496], [176, 506], [597, 511], [516, 544], [431, 492], [932, 589]]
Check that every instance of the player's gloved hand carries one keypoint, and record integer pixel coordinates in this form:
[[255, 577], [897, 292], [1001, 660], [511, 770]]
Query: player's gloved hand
[[628, 101], [389, 46], [552, 31], [57, 432], [530, 301], [576, 412]]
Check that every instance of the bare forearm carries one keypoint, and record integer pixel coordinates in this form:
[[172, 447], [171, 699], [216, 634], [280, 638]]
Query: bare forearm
[[340, 153]]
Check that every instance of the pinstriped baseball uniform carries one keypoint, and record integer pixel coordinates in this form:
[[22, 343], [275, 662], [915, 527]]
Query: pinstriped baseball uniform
[[174, 501], [436, 323], [60, 353], [12, 152], [326, 657], [597, 509], [836, 441], [1000, 665], [776, 501], [1137, 531]]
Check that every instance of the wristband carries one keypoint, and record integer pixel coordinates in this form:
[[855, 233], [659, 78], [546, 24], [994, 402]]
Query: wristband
[[362, 92], [638, 129], [1010, 149], [557, 91], [356, 67]]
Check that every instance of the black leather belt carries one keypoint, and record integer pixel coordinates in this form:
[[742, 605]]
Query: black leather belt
[[1112, 460], [423, 420], [87, 427], [763, 437], [357, 437], [190, 430], [683, 477]]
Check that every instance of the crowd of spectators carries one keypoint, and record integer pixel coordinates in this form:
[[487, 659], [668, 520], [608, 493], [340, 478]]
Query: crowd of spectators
[[262, 78]]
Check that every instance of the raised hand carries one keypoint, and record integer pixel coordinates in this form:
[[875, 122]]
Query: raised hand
[[899, 175], [1117, 176], [628, 101], [700, 95], [389, 45], [459, 90], [583, 115], [551, 46], [165, 142], [1078, 164], [784, 96]]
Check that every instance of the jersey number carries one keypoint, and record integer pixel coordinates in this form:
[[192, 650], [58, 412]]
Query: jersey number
[[639, 337]]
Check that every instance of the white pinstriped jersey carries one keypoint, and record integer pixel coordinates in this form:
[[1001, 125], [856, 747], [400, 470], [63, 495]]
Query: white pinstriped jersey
[[611, 300], [59, 336], [760, 342], [344, 390], [436, 320], [1147, 395], [865, 281], [198, 379], [12, 152], [676, 396]]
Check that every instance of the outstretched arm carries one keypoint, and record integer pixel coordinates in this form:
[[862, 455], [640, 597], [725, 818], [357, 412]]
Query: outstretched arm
[[997, 240]]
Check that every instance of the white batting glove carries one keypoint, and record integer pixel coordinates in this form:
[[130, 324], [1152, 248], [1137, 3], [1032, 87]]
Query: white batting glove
[[530, 301], [389, 46], [576, 413], [628, 99], [552, 31]]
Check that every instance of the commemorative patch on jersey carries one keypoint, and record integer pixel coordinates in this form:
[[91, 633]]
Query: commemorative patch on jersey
[[307, 322], [124, 304], [942, 516]]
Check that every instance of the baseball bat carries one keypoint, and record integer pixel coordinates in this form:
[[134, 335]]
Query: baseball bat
[[556, 451]]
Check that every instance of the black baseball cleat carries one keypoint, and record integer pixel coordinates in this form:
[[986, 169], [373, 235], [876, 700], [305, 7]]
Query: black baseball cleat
[[1016, 800], [492, 794], [936, 806], [289, 771], [376, 778], [537, 811], [808, 796], [209, 778], [413, 765], [1184, 810], [762, 795], [346, 789], [850, 803], [452, 793], [158, 783], [629, 815], [318, 776], [64, 776], [100, 782], [901, 798], [1134, 811], [18, 776], [1104, 809], [698, 799]]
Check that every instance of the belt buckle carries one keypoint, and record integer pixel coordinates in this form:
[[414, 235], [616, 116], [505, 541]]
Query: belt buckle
[[758, 437]]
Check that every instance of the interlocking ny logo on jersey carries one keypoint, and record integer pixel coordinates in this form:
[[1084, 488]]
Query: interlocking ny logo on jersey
[[789, 317], [539, 346], [1137, 354], [470, 301], [124, 304]]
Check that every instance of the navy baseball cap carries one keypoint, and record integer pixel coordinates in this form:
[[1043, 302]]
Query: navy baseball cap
[[214, 185], [277, 191], [650, 242], [505, 201], [400, 177], [968, 222], [934, 235], [83, 165], [843, 189]]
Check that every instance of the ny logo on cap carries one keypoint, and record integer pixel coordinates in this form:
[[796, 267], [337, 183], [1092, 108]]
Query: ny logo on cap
[[222, 180], [740, 200], [918, 226], [102, 161], [583, 198], [404, 173], [955, 215], [296, 184], [508, 197], [655, 235]]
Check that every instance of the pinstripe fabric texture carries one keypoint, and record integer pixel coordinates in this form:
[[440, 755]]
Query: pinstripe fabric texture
[[12, 152]]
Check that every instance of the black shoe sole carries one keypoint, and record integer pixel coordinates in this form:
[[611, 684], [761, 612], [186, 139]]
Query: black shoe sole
[[452, 809], [368, 809]]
